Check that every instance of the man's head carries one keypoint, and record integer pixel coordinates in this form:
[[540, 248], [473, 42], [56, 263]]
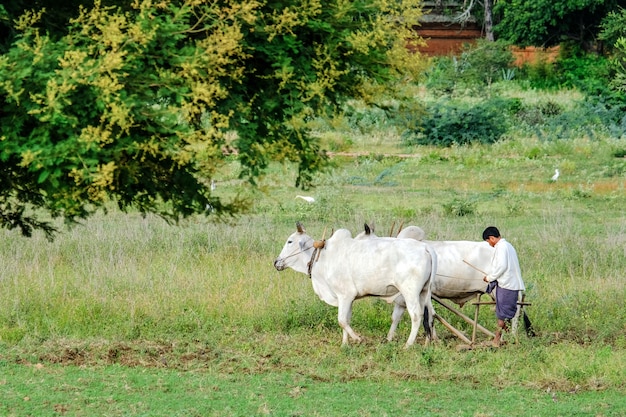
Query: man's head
[[491, 235]]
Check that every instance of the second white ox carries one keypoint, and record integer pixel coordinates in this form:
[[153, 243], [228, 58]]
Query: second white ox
[[459, 265], [346, 269]]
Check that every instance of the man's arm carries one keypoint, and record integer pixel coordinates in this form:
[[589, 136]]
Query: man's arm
[[498, 265]]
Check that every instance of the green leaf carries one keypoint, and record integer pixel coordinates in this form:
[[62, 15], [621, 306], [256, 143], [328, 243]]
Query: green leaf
[[43, 176]]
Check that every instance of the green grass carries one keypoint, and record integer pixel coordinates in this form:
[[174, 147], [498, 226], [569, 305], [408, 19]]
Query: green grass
[[125, 315], [44, 390]]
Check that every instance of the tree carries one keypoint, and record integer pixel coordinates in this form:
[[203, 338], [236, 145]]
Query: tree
[[471, 7], [488, 16], [614, 33], [550, 22], [613, 27], [140, 106]]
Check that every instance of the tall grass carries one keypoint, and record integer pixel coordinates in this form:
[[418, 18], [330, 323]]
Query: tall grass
[[124, 276]]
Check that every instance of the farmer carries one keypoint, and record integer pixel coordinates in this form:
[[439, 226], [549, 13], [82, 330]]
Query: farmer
[[506, 277]]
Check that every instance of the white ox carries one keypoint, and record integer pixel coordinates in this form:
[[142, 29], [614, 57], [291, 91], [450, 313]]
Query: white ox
[[459, 265], [457, 283], [343, 269]]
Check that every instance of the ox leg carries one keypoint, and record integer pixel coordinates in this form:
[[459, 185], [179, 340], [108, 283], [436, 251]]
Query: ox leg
[[515, 319], [515, 323], [344, 315], [398, 311], [416, 312]]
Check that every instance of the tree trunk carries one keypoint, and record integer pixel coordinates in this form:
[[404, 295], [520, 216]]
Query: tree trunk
[[488, 21]]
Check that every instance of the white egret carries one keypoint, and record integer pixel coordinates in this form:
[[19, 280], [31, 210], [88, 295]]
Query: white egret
[[213, 185], [556, 175], [306, 198]]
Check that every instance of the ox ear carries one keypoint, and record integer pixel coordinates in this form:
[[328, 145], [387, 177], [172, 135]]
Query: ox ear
[[367, 229], [300, 228]]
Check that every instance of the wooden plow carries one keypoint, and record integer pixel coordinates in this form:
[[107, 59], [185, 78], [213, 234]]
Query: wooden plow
[[471, 343]]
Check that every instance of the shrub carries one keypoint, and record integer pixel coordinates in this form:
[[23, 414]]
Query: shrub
[[366, 118], [395, 113], [573, 69], [484, 61], [459, 124], [539, 75], [584, 71], [537, 114], [478, 64], [550, 120], [458, 207], [442, 75]]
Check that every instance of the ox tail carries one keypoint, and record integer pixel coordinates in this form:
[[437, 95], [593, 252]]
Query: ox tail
[[428, 320], [427, 324], [528, 326], [433, 269]]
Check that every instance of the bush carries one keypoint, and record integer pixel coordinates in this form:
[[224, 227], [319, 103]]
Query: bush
[[460, 124], [574, 68], [478, 65], [485, 61], [537, 114], [587, 72], [539, 75], [366, 118], [442, 75], [459, 208], [588, 118], [393, 113]]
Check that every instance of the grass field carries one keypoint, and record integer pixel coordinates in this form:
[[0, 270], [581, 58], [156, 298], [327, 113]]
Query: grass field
[[129, 316]]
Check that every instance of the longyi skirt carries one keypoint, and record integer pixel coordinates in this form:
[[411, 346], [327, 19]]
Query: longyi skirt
[[506, 303]]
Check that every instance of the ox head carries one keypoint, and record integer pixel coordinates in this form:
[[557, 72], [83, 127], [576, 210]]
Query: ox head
[[296, 252]]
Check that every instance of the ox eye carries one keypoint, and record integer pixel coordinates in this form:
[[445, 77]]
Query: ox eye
[[289, 242]]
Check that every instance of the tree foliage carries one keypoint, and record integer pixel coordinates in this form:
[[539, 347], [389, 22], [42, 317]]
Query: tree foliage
[[143, 106], [614, 32], [613, 27], [550, 22]]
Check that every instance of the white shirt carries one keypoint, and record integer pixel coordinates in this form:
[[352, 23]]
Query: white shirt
[[505, 267]]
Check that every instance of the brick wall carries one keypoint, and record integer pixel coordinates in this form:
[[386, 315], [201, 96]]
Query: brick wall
[[445, 38]]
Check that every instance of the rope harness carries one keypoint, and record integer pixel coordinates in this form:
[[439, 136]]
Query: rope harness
[[318, 245], [296, 253]]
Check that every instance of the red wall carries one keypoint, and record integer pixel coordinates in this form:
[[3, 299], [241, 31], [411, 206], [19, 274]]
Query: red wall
[[448, 39]]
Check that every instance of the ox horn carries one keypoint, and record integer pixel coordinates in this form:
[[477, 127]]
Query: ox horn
[[367, 229], [400, 228], [300, 228]]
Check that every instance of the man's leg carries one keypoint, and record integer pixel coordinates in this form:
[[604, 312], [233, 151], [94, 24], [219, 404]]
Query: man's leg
[[501, 327]]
